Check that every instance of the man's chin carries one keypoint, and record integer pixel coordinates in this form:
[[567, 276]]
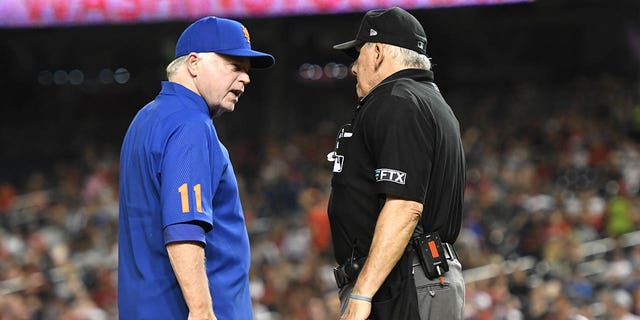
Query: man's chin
[[216, 112]]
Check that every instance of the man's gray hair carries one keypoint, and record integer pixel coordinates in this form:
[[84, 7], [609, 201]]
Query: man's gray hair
[[173, 67], [409, 58]]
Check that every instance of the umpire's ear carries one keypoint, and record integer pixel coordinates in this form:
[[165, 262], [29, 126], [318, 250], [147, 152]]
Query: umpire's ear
[[379, 54]]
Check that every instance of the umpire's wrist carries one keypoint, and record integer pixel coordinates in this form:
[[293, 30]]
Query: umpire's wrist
[[355, 296]]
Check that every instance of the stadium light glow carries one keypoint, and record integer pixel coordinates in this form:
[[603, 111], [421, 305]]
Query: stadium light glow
[[38, 13]]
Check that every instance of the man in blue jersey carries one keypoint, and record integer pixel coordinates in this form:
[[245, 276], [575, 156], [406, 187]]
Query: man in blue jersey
[[183, 244]]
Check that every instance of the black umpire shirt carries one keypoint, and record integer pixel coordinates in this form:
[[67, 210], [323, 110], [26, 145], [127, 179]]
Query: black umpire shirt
[[403, 141]]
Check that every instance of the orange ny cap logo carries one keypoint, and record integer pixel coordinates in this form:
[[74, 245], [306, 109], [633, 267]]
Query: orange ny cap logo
[[246, 34]]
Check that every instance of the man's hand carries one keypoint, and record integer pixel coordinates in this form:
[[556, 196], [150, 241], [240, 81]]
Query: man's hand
[[357, 310]]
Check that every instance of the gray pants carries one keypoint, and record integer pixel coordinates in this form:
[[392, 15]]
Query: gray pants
[[435, 301]]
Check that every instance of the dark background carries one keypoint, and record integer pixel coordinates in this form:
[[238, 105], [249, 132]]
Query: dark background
[[474, 49]]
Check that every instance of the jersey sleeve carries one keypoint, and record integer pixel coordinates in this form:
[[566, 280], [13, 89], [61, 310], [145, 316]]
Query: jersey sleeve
[[187, 176], [400, 137], [184, 232]]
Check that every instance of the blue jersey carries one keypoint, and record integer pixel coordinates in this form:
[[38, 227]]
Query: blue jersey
[[174, 170]]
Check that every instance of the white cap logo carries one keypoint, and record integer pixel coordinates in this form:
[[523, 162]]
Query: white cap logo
[[421, 45], [373, 33]]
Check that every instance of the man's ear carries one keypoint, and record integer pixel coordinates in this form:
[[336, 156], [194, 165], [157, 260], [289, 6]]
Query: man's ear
[[378, 50], [192, 64]]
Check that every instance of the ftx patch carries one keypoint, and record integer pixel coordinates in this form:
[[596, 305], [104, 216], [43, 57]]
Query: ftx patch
[[391, 175]]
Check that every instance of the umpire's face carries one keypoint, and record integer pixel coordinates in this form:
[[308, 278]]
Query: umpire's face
[[365, 68], [220, 80]]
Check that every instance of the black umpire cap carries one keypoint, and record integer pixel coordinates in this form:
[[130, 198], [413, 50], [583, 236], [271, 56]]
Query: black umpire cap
[[393, 26]]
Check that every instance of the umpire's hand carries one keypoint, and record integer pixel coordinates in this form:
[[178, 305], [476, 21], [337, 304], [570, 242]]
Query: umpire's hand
[[356, 310]]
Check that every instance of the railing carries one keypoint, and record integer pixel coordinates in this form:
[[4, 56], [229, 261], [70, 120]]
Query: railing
[[588, 267]]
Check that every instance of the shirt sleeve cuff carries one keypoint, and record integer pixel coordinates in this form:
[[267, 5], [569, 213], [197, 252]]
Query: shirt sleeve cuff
[[184, 232]]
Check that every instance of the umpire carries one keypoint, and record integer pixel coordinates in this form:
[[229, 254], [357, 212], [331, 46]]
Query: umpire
[[398, 181]]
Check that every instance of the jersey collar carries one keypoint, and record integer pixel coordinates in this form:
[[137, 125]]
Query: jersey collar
[[174, 88], [419, 75]]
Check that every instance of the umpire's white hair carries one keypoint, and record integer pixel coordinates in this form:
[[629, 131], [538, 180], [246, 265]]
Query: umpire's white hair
[[173, 67], [409, 58]]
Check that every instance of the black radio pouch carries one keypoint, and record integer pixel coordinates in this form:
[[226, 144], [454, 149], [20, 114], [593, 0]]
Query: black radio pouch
[[431, 255]]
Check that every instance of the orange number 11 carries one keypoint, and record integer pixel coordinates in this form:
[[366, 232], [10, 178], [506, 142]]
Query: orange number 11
[[184, 197]]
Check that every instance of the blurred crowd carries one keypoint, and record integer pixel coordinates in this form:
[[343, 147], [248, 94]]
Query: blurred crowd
[[552, 210]]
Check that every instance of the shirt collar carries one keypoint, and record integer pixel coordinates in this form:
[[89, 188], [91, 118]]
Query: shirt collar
[[174, 88], [420, 75]]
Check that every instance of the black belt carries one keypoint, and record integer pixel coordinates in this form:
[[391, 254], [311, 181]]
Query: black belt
[[449, 251], [347, 272]]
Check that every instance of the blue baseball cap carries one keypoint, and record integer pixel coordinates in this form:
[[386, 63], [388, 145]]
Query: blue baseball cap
[[224, 36]]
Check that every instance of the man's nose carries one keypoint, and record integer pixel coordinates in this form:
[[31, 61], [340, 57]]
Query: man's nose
[[244, 78]]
